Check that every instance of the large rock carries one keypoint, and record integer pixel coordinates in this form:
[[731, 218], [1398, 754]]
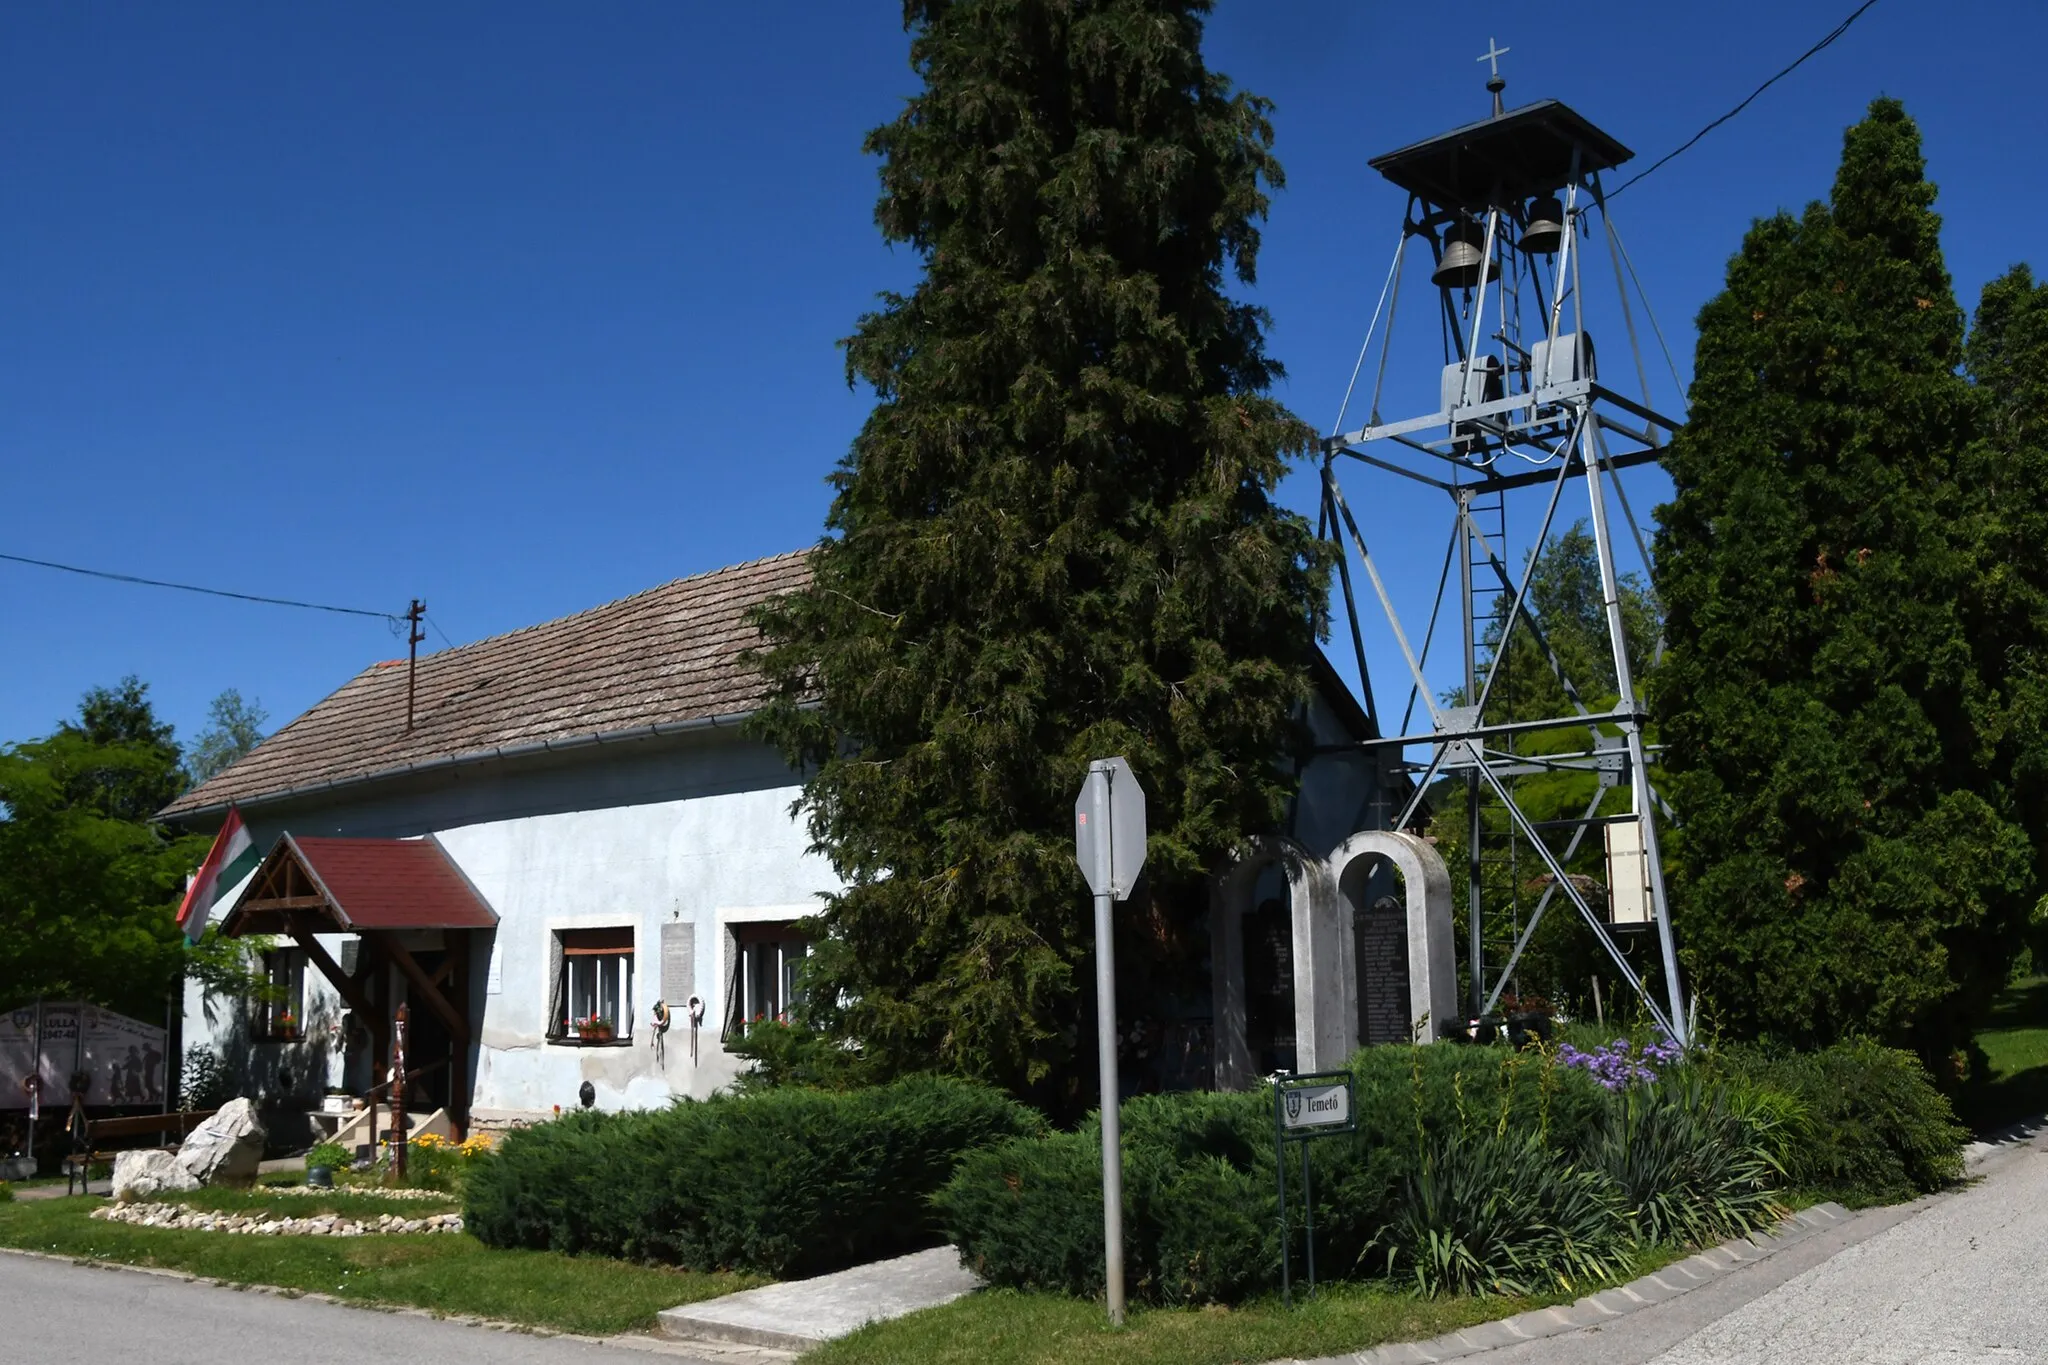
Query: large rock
[[224, 1150], [144, 1175]]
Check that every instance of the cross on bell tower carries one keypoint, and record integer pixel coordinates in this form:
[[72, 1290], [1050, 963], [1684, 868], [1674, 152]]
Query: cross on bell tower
[[1495, 83]]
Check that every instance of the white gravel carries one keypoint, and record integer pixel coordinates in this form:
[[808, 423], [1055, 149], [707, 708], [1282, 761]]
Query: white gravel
[[263, 1225]]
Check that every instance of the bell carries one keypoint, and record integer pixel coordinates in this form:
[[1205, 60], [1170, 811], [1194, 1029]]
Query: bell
[[1461, 264], [1545, 230]]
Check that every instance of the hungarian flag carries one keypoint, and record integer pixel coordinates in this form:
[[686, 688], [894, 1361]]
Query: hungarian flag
[[232, 857]]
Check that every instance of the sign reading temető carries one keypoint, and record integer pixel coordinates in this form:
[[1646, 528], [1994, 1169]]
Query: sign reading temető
[[1321, 1106]]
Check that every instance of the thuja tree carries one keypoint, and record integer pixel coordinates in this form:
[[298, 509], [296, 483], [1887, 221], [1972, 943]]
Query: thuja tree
[[2006, 477], [1053, 539], [1848, 859]]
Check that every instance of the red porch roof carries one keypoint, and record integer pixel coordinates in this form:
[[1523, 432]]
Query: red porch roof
[[368, 884]]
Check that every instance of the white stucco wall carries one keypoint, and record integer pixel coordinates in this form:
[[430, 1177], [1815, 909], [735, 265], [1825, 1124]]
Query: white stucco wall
[[699, 861], [697, 833]]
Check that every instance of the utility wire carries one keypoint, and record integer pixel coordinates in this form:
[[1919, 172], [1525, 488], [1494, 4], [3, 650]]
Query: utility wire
[[188, 587], [1836, 32]]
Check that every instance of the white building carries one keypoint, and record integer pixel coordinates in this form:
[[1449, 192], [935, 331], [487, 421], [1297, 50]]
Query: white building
[[572, 829]]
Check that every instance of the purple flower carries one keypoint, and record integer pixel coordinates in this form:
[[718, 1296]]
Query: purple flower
[[1618, 1065]]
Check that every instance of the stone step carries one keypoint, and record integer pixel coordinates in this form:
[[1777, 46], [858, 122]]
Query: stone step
[[800, 1314]]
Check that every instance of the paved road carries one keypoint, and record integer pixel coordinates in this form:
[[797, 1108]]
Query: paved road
[[60, 1313], [1960, 1279]]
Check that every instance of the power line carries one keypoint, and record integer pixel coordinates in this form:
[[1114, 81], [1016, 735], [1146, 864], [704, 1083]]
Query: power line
[[1836, 32], [189, 587]]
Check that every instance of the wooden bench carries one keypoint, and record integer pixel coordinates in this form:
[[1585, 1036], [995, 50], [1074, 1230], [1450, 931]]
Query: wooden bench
[[78, 1165]]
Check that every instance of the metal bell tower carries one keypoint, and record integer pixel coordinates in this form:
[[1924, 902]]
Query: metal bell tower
[[1506, 210]]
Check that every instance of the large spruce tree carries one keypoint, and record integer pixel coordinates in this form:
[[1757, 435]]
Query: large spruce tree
[[1054, 538], [1848, 860]]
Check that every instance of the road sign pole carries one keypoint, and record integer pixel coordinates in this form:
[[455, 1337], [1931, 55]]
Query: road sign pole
[[1105, 1046], [1112, 1120], [1109, 845]]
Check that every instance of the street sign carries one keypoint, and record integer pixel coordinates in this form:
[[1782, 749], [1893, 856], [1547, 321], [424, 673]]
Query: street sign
[[1318, 1106], [1305, 1107], [1109, 817]]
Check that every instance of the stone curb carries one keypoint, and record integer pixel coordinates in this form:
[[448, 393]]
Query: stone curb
[[1702, 1267]]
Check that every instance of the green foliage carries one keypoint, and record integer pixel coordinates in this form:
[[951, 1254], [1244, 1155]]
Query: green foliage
[[87, 890], [141, 773], [88, 885], [1201, 1213], [2007, 471], [6, 1192], [332, 1155], [434, 1163], [205, 1081], [1054, 538], [789, 1182], [234, 727], [791, 1052], [1500, 1213], [1691, 1165], [1850, 858], [1869, 1126]]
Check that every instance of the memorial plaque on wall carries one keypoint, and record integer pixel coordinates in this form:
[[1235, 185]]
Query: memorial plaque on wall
[[1382, 950], [678, 962]]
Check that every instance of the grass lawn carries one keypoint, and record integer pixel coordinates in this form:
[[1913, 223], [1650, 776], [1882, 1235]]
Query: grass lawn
[[1003, 1327], [2015, 1042], [444, 1273]]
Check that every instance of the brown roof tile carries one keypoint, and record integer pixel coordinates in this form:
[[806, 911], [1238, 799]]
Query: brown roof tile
[[667, 656]]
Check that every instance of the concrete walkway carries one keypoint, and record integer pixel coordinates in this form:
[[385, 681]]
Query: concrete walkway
[[1953, 1278], [800, 1314]]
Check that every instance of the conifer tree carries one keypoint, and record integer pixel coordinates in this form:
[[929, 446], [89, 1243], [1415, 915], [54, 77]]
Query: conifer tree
[[1053, 539], [1846, 860], [2006, 479]]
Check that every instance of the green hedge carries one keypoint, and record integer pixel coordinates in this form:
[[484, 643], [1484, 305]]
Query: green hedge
[[1870, 1126], [1201, 1215], [787, 1182]]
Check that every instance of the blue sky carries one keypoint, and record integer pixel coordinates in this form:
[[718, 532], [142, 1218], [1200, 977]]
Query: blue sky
[[520, 307]]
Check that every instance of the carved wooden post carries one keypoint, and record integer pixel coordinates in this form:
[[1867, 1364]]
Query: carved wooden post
[[398, 1123]]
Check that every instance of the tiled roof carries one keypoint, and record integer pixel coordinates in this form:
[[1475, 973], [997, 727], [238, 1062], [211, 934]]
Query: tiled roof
[[667, 657], [384, 884]]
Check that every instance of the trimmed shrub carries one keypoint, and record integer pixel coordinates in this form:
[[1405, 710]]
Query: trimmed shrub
[[1201, 1212], [788, 1182], [1871, 1127]]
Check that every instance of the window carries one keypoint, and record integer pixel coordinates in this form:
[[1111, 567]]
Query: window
[[281, 1010], [763, 984], [595, 985]]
